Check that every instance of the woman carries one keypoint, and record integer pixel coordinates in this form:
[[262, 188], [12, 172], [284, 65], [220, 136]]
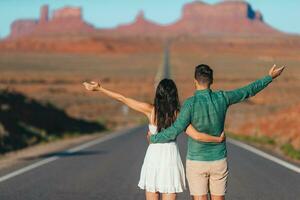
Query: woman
[[162, 170]]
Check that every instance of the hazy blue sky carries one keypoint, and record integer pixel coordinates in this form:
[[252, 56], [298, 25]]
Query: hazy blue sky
[[282, 14]]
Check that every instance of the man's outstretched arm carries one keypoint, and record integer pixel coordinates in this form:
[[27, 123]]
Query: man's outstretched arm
[[181, 123], [238, 95]]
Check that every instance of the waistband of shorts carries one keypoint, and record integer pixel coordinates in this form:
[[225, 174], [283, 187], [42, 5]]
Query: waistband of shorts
[[204, 161]]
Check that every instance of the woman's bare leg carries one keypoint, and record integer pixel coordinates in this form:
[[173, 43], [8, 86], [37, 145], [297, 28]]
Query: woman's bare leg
[[169, 196], [152, 195]]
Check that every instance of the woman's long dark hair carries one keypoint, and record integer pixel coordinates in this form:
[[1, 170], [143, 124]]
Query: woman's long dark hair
[[166, 104]]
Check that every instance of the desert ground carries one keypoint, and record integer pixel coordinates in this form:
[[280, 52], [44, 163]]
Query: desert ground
[[56, 75]]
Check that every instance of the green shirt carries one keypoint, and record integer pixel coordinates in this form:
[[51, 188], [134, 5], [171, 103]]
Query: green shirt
[[206, 111]]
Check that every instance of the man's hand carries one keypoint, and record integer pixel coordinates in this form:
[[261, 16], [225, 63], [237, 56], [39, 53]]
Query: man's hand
[[148, 137], [275, 72]]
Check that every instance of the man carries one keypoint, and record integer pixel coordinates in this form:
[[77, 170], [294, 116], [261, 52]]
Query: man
[[206, 164]]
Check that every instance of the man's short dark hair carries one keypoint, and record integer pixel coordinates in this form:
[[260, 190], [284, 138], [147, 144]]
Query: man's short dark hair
[[204, 74]]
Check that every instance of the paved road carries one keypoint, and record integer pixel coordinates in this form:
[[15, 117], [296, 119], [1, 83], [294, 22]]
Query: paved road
[[110, 170], [164, 71], [166, 64]]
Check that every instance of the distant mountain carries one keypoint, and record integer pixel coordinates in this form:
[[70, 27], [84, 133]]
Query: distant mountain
[[198, 18], [67, 20], [141, 26], [228, 17]]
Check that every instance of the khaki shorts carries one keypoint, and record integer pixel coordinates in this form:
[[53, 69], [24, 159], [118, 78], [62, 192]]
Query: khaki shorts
[[205, 176]]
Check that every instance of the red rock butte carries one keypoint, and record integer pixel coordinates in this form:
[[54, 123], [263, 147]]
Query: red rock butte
[[67, 20], [197, 18]]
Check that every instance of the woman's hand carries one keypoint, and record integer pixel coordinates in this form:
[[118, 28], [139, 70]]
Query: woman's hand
[[92, 86], [204, 137], [222, 137]]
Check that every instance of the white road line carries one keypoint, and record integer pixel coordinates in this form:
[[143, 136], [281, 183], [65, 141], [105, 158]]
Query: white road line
[[265, 155], [72, 150], [28, 168]]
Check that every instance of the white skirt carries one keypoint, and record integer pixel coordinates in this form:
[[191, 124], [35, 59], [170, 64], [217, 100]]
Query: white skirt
[[162, 170]]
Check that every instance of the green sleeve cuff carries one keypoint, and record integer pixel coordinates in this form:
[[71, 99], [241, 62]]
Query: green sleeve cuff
[[152, 139], [268, 78]]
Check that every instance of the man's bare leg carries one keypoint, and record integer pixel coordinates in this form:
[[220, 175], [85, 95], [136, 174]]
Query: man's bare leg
[[169, 196], [216, 197], [152, 195], [202, 197]]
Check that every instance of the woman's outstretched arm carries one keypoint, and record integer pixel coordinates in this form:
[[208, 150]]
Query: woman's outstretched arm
[[203, 137], [142, 107]]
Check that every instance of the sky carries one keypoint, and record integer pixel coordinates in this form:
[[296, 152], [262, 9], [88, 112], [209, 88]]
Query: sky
[[281, 14]]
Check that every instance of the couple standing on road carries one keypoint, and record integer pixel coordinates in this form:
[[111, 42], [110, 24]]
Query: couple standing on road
[[202, 117]]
